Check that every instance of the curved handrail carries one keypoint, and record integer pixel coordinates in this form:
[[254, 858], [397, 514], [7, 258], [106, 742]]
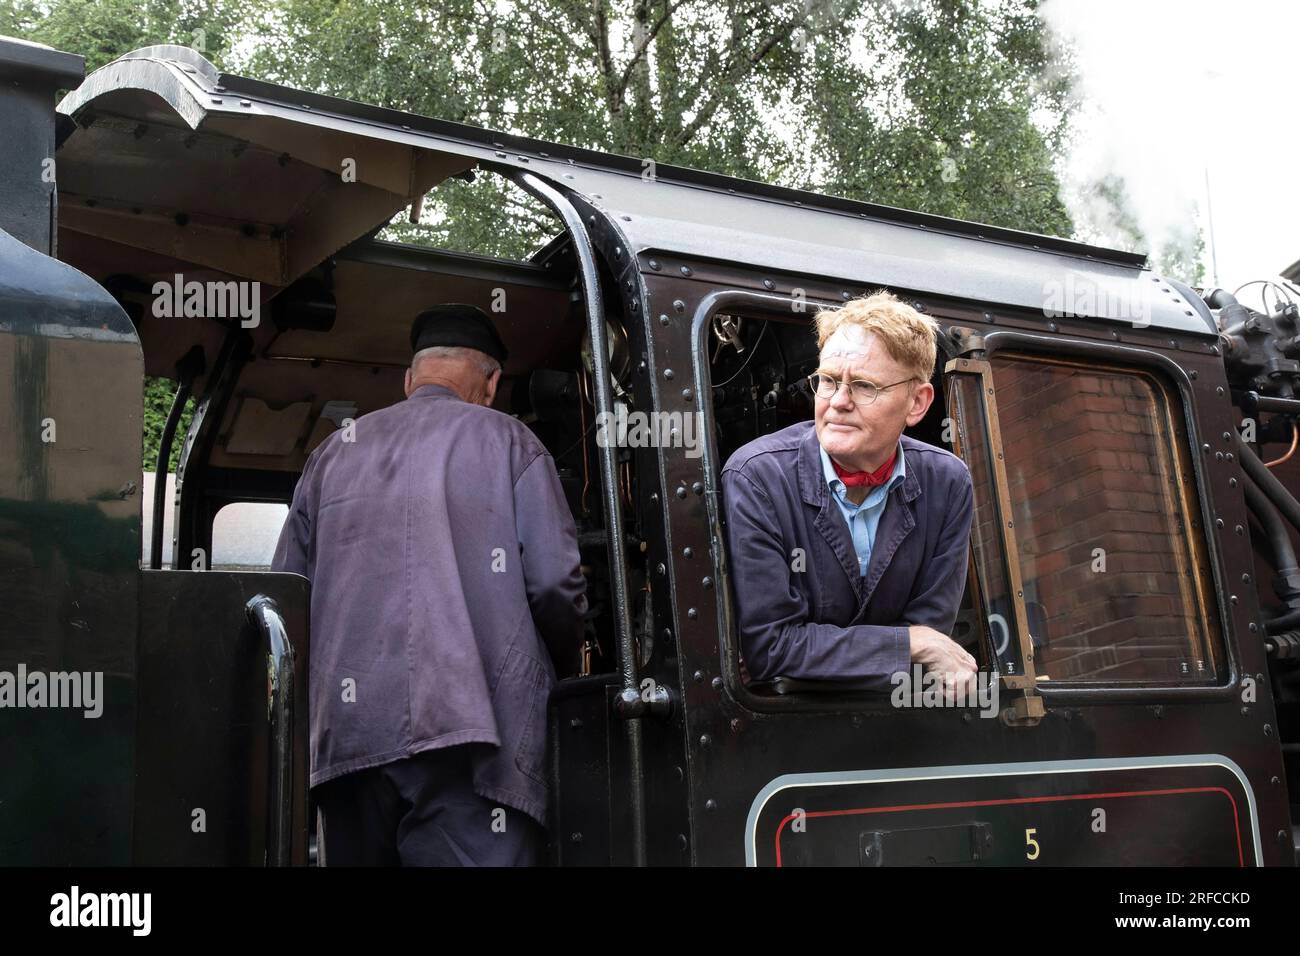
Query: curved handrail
[[264, 614]]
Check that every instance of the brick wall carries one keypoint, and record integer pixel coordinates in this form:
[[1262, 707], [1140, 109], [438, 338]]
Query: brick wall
[[1087, 468]]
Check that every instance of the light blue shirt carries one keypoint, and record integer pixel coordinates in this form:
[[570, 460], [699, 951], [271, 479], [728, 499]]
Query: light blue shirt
[[863, 519]]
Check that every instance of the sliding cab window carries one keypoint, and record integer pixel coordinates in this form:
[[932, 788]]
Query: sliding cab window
[[1087, 542]]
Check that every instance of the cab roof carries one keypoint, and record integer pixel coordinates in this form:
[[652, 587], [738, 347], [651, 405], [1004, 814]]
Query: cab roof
[[175, 98]]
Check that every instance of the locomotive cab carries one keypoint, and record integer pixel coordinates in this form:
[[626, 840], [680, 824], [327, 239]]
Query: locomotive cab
[[1116, 583]]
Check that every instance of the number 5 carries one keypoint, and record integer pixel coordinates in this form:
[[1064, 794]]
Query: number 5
[[1030, 841]]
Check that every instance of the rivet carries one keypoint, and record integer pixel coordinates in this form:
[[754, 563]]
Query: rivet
[[679, 305], [769, 284], [1239, 529], [706, 583], [710, 804], [698, 487], [668, 373], [500, 155], [654, 264], [663, 320], [686, 270], [688, 552], [660, 568], [681, 491], [1218, 522], [1051, 326], [687, 394], [692, 613], [705, 740], [716, 683], [681, 841], [698, 676], [1245, 579]]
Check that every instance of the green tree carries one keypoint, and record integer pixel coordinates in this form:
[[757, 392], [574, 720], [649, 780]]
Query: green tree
[[956, 107], [937, 105], [102, 30]]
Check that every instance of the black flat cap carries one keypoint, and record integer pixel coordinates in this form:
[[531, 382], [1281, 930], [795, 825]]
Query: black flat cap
[[457, 324]]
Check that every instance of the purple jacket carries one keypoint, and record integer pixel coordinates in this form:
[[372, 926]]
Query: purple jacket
[[444, 567], [803, 608]]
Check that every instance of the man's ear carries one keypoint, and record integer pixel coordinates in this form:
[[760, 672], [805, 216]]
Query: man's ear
[[406, 383], [921, 400], [493, 381]]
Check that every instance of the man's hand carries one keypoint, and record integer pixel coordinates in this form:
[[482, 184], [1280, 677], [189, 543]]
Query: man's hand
[[938, 652]]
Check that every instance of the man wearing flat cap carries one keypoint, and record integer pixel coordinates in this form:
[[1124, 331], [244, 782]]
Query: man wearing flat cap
[[446, 592]]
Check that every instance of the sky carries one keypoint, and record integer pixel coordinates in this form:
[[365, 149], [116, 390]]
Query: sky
[[1174, 91]]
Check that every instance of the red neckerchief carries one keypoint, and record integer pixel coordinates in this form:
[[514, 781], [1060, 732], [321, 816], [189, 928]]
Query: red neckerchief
[[856, 479]]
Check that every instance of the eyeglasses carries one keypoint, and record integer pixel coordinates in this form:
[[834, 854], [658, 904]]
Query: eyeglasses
[[862, 393]]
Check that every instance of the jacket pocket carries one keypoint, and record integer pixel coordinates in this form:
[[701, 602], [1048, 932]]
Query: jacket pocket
[[529, 683]]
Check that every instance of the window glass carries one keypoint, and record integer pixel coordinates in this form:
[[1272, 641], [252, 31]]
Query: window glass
[[244, 535], [1104, 520]]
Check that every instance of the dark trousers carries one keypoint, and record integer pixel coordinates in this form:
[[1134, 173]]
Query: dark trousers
[[421, 811]]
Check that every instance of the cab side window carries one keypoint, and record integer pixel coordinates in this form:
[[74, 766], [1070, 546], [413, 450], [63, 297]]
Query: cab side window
[[1103, 524]]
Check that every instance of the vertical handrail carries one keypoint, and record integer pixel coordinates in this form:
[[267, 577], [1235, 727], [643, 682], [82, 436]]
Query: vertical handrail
[[264, 614], [160, 472], [630, 703]]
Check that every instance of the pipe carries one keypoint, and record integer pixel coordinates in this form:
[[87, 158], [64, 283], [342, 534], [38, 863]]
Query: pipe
[[1283, 553], [1268, 483]]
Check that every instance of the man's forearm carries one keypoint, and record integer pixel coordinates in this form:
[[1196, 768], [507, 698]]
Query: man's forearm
[[826, 652]]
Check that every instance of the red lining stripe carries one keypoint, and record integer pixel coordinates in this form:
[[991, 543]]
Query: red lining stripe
[[1236, 822]]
